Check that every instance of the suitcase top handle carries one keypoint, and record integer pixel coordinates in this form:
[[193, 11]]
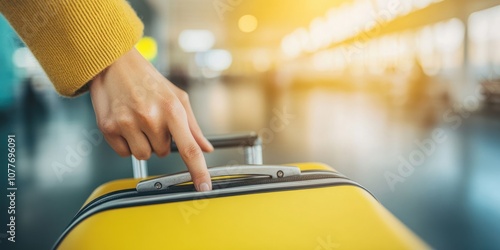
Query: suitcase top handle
[[166, 181], [249, 141]]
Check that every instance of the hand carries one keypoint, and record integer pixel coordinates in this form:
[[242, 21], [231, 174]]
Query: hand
[[137, 110]]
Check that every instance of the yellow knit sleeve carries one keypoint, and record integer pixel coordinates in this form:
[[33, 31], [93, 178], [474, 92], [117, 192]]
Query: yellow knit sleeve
[[74, 40]]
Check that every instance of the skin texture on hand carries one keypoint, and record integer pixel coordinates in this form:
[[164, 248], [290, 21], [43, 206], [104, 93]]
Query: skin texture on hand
[[138, 110]]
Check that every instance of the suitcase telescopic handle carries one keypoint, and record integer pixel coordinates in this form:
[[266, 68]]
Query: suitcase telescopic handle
[[166, 181], [249, 141]]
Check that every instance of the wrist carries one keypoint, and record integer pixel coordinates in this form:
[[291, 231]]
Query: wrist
[[97, 80], [121, 62]]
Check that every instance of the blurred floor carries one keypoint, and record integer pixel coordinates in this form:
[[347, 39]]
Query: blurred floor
[[450, 199]]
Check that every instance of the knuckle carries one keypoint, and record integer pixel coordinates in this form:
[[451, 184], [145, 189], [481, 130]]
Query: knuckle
[[162, 151], [125, 121], [191, 152], [121, 148], [173, 106], [148, 118], [123, 152], [183, 96], [143, 154], [200, 175], [155, 128], [108, 127]]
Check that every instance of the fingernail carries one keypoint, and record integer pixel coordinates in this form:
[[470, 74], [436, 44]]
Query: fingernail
[[204, 187]]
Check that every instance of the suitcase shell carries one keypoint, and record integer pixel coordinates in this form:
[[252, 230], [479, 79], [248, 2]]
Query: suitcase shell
[[329, 213]]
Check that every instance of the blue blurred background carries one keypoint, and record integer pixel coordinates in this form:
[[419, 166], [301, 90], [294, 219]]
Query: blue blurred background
[[401, 96]]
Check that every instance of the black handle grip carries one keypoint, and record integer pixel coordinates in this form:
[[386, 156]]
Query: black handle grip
[[250, 141], [244, 139]]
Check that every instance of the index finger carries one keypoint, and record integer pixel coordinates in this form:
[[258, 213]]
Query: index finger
[[189, 150]]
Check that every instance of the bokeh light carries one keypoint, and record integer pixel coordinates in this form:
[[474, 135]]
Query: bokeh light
[[215, 60], [196, 40], [147, 47], [248, 23]]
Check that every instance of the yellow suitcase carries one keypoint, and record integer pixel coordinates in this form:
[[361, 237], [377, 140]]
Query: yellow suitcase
[[297, 206]]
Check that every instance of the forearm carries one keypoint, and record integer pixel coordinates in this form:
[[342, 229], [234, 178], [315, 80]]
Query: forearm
[[74, 40]]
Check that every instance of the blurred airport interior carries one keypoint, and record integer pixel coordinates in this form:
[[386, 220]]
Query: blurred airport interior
[[402, 96]]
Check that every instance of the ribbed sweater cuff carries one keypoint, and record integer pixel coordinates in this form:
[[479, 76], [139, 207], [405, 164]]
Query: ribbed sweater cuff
[[74, 40]]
